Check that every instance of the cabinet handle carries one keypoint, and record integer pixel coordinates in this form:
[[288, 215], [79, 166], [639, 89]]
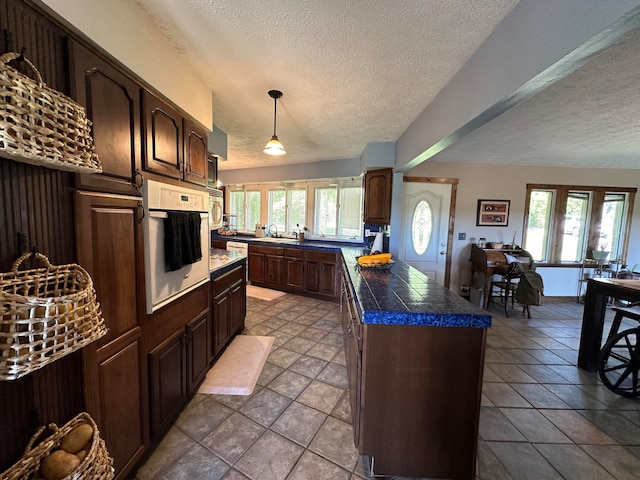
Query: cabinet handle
[[136, 176], [141, 208]]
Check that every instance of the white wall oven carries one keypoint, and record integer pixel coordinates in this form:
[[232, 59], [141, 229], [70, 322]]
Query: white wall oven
[[176, 237]]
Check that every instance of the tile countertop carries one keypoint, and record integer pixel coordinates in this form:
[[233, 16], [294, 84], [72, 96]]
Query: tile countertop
[[223, 261], [399, 296], [405, 296]]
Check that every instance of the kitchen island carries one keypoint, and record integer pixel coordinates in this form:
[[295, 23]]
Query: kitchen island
[[415, 355]]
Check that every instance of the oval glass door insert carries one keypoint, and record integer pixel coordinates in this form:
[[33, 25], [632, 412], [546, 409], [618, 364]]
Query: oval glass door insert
[[421, 227]]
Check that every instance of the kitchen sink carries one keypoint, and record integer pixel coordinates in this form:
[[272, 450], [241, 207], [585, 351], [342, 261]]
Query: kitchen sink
[[277, 239]]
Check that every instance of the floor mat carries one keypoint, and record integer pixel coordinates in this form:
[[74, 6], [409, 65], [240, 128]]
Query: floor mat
[[263, 293], [237, 370]]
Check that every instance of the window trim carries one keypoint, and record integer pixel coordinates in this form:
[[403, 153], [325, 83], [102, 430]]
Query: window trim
[[595, 216]]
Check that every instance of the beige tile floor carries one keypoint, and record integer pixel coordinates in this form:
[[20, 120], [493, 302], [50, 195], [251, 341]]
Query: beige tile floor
[[542, 417]]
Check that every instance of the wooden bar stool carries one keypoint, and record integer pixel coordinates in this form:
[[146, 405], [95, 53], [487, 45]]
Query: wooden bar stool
[[633, 313]]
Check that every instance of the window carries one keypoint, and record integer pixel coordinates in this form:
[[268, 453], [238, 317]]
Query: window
[[330, 209], [338, 210], [565, 224], [245, 205], [277, 209], [326, 211]]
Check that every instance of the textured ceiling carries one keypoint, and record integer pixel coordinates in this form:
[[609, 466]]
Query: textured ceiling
[[590, 118], [360, 71], [352, 72]]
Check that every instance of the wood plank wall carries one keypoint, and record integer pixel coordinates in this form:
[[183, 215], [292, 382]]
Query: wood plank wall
[[39, 202]]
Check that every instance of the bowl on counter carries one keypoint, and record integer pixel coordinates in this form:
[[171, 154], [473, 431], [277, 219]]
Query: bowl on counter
[[496, 245]]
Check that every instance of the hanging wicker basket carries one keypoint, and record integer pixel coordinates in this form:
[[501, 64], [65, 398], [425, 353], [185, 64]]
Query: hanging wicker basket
[[41, 126], [45, 314], [96, 465]]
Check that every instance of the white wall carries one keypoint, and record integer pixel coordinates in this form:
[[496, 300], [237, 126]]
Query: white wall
[[501, 182], [120, 28]]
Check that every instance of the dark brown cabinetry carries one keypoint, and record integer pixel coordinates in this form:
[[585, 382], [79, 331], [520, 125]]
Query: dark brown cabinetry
[[229, 300], [174, 147], [377, 196], [177, 367], [423, 425], [294, 259], [112, 101], [196, 163], [321, 273], [298, 270], [179, 348], [266, 266], [163, 153], [109, 245]]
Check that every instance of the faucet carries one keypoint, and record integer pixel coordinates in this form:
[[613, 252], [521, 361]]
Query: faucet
[[274, 228]]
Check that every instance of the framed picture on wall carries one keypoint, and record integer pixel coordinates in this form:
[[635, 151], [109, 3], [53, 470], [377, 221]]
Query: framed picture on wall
[[493, 213]]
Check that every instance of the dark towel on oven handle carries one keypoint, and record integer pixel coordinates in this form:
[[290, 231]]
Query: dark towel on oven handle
[[182, 245]]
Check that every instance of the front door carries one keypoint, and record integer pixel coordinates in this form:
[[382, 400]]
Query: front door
[[426, 228]]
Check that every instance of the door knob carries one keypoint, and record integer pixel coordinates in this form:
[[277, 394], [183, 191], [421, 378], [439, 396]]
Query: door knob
[[443, 253]]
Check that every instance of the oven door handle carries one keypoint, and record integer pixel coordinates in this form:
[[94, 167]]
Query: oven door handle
[[157, 214]]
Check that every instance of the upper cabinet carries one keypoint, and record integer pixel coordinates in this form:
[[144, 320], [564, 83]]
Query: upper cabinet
[[112, 101], [377, 196], [174, 147], [163, 137], [196, 162]]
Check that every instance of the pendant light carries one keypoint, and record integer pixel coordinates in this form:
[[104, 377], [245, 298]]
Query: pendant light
[[274, 147]]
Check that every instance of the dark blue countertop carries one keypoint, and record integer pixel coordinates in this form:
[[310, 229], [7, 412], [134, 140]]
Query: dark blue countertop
[[405, 296], [399, 296], [286, 242], [223, 261]]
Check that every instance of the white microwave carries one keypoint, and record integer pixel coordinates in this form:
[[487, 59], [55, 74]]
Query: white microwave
[[216, 199]]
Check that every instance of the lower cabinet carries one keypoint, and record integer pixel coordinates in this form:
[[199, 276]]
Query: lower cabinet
[[415, 395], [297, 270], [228, 306], [177, 366], [322, 273], [294, 269]]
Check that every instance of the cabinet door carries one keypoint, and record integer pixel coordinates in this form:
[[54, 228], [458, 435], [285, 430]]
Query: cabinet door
[[238, 295], [377, 196], [274, 270], [168, 370], [163, 137], [312, 276], [118, 410], [109, 245], [256, 261], [198, 350], [196, 164], [328, 284], [112, 101], [294, 273], [221, 320]]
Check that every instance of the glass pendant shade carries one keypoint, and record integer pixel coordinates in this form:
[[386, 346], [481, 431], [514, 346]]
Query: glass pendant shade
[[274, 147]]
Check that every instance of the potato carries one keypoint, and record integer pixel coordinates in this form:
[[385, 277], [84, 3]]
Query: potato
[[82, 454], [77, 438], [59, 464]]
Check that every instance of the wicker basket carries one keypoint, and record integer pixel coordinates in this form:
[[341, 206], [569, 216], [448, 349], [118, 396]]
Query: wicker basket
[[97, 465], [45, 314], [41, 126]]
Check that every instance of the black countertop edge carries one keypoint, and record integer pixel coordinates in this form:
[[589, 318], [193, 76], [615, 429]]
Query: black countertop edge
[[225, 262], [405, 296]]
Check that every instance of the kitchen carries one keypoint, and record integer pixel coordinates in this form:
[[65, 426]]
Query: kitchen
[[50, 229]]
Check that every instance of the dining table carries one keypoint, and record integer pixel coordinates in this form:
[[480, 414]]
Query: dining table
[[596, 299]]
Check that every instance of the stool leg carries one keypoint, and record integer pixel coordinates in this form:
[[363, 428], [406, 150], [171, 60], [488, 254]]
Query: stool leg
[[506, 300]]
